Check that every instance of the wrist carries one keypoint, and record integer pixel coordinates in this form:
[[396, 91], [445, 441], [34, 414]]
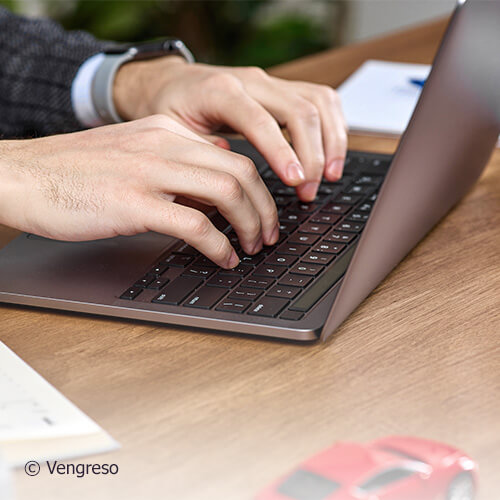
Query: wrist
[[137, 84], [11, 190]]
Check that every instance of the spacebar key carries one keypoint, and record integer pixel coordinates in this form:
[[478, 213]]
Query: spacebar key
[[323, 284], [177, 290]]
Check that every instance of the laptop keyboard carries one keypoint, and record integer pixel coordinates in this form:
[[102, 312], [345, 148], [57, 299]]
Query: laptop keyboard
[[285, 280]]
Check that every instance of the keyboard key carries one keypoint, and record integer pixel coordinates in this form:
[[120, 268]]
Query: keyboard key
[[358, 216], [370, 179], [281, 260], [357, 189], [178, 260], [295, 280], [198, 271], [234, 306], [302, 239], [252, 260], [205, 298], [186, 249], [307, 269], [299, 206], [158, 270], [292, 315], [288, 227], [158, 283], [340, 236], [282, 190], [350, 227], [131, 293], [365, 207], [328, 189], [373, 197], [350, 199], [292, 249], [241, 270], [258, 282], [205, 262], [319, 258], [293, 217], [287, 292], [144, 281], [245, 294], [324, 247], [176, 291], [269, 271], [325, 218], [282, 201], [336, 208], [313, 228], [228, 281], [268, 307]]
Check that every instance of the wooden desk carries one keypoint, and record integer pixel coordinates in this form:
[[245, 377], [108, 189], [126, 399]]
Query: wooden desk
[[218, 417]]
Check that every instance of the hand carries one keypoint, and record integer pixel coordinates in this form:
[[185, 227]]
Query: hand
[[251, 102], [123, 180]]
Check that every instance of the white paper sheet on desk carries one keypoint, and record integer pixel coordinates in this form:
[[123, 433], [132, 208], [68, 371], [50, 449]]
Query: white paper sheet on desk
[[37, 421], [379, 97]]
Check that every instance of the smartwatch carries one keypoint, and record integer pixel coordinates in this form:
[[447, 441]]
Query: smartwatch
[[115, 57]]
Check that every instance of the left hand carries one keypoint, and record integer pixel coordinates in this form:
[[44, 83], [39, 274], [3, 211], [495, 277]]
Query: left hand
[[251, 102]]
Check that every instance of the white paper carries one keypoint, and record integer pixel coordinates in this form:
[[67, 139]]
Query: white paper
[[38, 422], [30, 408], [380, 98]]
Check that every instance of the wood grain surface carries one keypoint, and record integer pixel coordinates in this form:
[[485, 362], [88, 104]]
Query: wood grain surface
[[212, 416]]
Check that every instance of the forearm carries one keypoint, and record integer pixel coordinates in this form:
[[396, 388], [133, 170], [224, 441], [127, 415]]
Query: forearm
[[38, 63]]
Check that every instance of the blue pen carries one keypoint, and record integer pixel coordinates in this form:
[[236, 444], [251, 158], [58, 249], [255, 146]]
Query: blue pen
[[418, 82]]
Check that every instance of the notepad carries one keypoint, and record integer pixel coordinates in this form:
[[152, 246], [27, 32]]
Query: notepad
[[37, 422], [380, 98]]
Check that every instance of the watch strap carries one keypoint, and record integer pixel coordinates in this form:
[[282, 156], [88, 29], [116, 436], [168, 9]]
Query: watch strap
[[102, 85]]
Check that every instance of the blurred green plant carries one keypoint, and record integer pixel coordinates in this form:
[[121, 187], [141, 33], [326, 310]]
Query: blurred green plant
[[235, 32]]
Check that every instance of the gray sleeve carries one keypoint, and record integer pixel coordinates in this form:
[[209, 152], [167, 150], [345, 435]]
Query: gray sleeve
[[38, 62]]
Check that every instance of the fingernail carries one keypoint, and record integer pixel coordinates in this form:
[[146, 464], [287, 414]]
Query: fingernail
[[295, 173], [258, 246], [233, 261], [335, 168], [309, 190], [274, 235]]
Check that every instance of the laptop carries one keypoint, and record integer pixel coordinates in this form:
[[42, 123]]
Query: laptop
[[332, 252]]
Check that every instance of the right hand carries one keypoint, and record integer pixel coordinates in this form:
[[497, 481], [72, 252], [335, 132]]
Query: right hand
[[123, 179]]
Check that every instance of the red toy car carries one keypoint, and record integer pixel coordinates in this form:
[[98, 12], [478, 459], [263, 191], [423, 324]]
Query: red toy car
[[393, 468]]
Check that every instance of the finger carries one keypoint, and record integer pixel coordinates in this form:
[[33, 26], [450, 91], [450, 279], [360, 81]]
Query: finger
[[232, 106], [217, 188], [191, 226], [302, 120], [240, 167], [334, 129]]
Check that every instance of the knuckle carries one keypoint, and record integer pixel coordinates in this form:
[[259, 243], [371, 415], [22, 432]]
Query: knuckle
[[224, 81], [329, 95], [247, 169], [256, 72], [307, 110], [199, 226], [230, 188]]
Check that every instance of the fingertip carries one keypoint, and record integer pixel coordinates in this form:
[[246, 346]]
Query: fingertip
[[308, 191], [335, 169], [295, 174], [233, 260]]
